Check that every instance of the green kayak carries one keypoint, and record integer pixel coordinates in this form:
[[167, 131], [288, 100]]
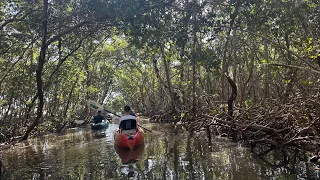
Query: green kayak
[[99, 126]]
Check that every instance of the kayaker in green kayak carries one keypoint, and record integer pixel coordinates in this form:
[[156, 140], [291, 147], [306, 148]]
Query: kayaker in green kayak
[[98, 118]]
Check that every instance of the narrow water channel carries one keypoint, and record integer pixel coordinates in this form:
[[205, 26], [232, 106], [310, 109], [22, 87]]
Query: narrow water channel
[[84, 155]]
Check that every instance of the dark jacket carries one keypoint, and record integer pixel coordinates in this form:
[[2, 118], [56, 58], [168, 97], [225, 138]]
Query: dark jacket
[[98, 118]]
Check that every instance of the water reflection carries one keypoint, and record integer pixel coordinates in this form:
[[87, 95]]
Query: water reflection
[[82, 154], [129, 159], [128, 156]]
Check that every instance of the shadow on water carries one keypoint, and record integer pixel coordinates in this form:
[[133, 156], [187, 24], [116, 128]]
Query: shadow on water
[[83, 154]]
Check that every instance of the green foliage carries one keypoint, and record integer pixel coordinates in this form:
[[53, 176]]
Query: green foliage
[[263, 61], [116, 55]]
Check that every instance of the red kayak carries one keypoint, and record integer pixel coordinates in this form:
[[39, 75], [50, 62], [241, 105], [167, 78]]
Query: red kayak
[[129, 140]]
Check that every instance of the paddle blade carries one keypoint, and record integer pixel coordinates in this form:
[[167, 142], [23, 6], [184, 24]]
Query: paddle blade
[[79, 121], [94, 105]]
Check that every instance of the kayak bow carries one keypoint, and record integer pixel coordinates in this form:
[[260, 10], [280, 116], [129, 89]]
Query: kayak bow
[[99, 126]]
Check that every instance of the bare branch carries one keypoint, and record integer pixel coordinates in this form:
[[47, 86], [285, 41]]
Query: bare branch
[[298, 67], [16, 19], [67, 31]]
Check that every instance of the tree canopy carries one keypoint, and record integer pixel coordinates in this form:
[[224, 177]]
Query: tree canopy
[[166, 58]]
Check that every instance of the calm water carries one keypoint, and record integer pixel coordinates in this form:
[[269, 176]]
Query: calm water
[[81, 154]]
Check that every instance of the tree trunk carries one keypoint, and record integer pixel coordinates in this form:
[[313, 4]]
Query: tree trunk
[[304, 19], [266, 80], [232, 97], [290, 77], [224, 59], [9, 107], [41, 62], [68, 105], [231, 101], [166, 68], [193, 61], [182, 87], [143, 95]]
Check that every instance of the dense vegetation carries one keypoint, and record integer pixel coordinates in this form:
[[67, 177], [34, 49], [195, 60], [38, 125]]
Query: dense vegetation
[[247, 68]]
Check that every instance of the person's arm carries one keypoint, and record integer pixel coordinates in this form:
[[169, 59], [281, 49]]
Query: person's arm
[[138, 119], [105, 119]]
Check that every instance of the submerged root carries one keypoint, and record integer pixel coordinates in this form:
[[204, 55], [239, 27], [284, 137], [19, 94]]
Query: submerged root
[[293, 124]]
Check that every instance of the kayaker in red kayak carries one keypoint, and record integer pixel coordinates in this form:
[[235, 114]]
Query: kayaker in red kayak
[[128, 122], [129, 135]]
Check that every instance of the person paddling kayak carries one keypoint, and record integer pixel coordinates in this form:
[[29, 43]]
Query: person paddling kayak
[[128, 114], [128, 123], [129, 135], [98, 118]]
